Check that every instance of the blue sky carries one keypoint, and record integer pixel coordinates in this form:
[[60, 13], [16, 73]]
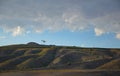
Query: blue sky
[[86, 23]]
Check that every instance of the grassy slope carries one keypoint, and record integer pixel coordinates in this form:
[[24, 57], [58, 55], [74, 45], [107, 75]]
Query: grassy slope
[[114, 64], [23, 57]]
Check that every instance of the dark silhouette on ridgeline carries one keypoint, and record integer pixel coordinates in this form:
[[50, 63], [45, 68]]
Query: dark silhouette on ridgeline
[[43, 41]]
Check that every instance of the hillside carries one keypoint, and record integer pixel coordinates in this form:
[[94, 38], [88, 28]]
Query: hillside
[[33, 56], [114, 64]]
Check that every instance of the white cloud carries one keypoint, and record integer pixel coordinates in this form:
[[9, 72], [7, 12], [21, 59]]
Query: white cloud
[[98, 31], [14, 30], [55, 15], [107, 23], [17, 31], [118, 36], [75, 20]]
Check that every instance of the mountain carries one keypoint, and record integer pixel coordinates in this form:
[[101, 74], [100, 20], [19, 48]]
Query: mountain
[[35, 56]]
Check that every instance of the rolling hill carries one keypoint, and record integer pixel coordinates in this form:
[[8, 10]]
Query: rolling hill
[[33, 56]]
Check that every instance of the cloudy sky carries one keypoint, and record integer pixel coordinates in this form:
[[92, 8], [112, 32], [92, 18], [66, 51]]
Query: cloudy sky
[[89, 23]]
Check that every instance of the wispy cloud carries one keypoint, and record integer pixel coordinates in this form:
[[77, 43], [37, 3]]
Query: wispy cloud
[[20, 16]]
